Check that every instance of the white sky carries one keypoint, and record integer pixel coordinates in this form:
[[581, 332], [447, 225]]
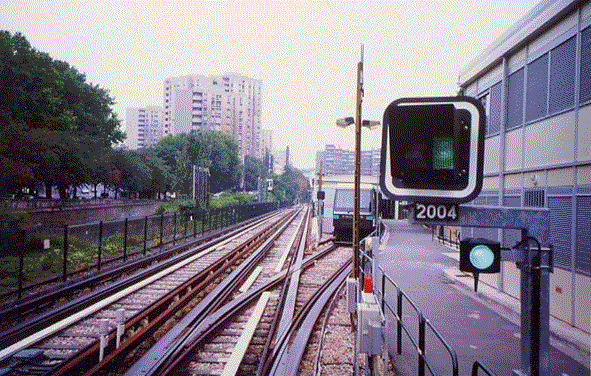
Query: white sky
[[306, 53]]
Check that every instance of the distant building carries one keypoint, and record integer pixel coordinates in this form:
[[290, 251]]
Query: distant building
[[143, 126], [266, 141], [336, 161], [280, 160], [229, 103]]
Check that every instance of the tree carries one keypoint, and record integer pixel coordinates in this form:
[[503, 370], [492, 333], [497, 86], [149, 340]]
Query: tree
[[54, 126], [253, 170], [293, 182], [213, 150]]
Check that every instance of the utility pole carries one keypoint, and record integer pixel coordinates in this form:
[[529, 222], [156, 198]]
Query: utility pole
[[357, 184]]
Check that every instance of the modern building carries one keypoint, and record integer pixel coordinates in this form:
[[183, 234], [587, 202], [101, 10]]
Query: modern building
[[229, 103], [337, 161], [280, 160], [143, 126], [535, 83], [266, 141]]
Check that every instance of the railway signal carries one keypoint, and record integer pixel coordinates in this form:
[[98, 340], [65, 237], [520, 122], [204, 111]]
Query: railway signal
[[433, 149], [479, 256]]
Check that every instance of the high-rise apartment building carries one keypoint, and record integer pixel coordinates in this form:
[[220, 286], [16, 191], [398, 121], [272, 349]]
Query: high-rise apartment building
[[336, 161], [266, 141], [143, 126], [229, 103]]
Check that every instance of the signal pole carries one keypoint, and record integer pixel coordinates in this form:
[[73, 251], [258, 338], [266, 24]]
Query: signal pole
[[320, 204], [357, 182]]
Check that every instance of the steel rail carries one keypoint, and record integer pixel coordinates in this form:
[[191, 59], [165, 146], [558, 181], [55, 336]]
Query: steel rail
[[163, 310], [166, 356], [288, 353], [50, 317], [208, 304], [277, 317], [48, 296]]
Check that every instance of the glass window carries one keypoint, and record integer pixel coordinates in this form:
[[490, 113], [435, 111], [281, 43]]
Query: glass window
[[562, 76], [585, 65], [515, 100], [485, 100], [494, 122], [344, 200], [537, 88]]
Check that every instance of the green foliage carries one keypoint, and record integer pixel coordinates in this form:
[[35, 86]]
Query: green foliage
[[54, 126], [231, 200], [215, 151], [253, 170], [173, 206], [10, 230]]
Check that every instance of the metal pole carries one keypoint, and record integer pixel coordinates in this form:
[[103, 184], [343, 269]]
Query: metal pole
[[65, 266], [356, 204], [145, 233], [320, 204], [21, 264], [100, 245], [125, 239]]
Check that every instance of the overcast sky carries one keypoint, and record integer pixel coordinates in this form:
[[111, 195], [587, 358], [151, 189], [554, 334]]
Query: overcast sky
[[306, 53]]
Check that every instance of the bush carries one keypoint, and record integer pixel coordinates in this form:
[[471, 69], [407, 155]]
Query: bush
[[10, 225]]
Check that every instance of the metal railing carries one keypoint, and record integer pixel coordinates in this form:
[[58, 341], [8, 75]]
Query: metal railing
[[477, 365], [446, 236], [40, 255], [419, 342]]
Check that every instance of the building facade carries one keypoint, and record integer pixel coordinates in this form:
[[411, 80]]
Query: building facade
[[337, 161], [229, 103], [143, 126], [535, 84]]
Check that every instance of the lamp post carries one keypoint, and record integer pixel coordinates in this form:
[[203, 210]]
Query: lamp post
[[344, 122]]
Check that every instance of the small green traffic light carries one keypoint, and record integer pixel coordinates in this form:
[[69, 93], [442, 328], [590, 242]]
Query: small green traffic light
[[482, 257], [443, 153]]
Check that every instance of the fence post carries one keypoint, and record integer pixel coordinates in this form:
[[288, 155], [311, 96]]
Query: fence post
[[194, 223], [21, 264], [174, 229], [161, 230], [399, 321], [186, 224], [125, 239], [100, 245], [145, 233], [421, 345], [65, 270]]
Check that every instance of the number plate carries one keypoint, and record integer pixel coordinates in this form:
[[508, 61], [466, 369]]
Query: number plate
[[436, 212]]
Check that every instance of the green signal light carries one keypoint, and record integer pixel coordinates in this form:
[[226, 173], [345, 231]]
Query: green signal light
[[443, 153], [481, 257]]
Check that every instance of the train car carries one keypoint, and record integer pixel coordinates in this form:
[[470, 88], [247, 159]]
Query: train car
[[343, 213]]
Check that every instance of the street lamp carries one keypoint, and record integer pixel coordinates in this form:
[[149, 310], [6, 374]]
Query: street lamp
[[343, 123]]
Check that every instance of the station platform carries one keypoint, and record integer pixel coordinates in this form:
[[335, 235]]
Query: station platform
[[481, 325]]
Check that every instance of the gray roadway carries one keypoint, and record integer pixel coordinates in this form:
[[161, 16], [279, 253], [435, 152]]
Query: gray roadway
[[470, 325]]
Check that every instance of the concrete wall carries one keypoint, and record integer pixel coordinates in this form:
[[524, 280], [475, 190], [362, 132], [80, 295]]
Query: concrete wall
[[78, 215]]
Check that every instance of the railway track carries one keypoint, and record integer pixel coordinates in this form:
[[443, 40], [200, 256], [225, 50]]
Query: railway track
[[263, 328], [34, 305], [68, 342]]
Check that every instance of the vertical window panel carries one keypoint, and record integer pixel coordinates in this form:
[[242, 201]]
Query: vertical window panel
[[515, 100], [585, 94], [494, 122], [562, 76], [583, 256], [560, 230], [537, 89]]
